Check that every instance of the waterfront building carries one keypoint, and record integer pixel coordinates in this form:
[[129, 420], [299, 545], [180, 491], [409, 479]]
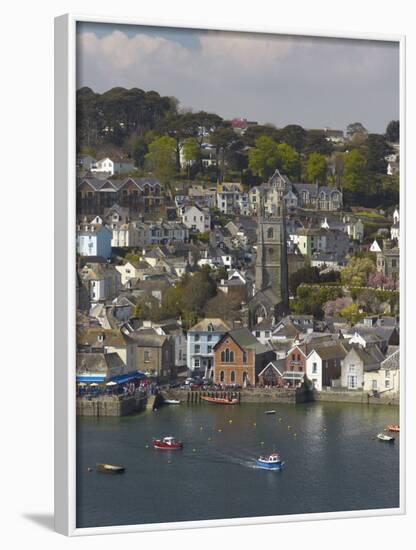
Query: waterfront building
[[201, 340], [356, 363], [295, 368], [98, 367], [323, 364], [108, 341], [272, 374], [155, 353], [239, 357], [387, 378]]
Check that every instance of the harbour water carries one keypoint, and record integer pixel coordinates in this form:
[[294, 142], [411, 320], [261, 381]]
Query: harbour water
[[333, 463]]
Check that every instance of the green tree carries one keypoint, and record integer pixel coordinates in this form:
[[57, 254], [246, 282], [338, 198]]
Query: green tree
[[316, 168], [352, 313], [305, 274], [393, 131], [294, 135], [356, 132], [222, 139], [191, 152], [355, 165], [356, 272], [254, 132], [377, 149], [160, 159], [317, 143], [288, 160], [263, 159]]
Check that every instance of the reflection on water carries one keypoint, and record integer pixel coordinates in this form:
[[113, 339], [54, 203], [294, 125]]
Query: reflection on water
[[332, 462]]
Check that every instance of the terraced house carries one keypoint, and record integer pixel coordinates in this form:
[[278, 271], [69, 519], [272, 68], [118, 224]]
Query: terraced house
[[141, 195]]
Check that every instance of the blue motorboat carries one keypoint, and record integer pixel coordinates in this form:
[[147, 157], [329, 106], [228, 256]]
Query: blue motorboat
[[271, 462]]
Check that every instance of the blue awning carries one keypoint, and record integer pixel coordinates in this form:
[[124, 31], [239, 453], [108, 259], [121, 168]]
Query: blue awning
[[121, 378], [89, 378]]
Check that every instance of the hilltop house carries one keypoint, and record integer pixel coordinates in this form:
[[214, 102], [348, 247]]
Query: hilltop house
[[111, 167]]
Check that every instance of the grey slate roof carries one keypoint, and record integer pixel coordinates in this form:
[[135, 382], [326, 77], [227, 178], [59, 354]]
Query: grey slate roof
[[392, 361], [98, 362]]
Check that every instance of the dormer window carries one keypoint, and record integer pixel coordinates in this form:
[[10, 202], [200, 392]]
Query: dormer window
[[210, 328]]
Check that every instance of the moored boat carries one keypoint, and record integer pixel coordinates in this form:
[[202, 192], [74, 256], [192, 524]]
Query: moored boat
[[271, 462], [220, 400], [393, 428], [168, 443], [171, 402], [269, 412], [386, 438], [110, 468]]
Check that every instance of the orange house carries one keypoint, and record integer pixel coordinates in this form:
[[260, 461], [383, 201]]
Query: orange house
[[239, 357]]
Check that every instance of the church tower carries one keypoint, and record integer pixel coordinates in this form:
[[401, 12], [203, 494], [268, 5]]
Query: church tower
[[271, 271]]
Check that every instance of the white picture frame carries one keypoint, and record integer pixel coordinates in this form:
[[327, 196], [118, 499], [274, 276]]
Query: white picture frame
[[65, 273]]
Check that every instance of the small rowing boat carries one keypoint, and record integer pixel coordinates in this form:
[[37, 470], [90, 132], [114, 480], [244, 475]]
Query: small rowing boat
[[168, 443], [110, 468], [271, 462], [393, 428], [269, 412], [386, 438], [220, 400], [171, 402]]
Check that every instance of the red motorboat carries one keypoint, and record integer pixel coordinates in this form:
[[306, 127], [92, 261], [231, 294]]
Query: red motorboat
[[167, 443]]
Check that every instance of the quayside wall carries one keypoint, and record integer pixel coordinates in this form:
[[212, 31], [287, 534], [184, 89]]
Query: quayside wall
[[111, 405]]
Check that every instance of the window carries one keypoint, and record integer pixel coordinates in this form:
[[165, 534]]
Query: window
[[314, 368], [394, 263], [146, 356], [209, 338], [257, 334], [352, 369], [209, 349], [196, 337], [387, 384], [270, 233], [223, 357], [197, 348], [244, 357], [222, 376], [352, 382], [232, 377], [267, 333], [387, 374], [374, 384], [196, 362]]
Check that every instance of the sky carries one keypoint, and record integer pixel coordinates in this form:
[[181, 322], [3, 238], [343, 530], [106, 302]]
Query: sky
[[314, 82]]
